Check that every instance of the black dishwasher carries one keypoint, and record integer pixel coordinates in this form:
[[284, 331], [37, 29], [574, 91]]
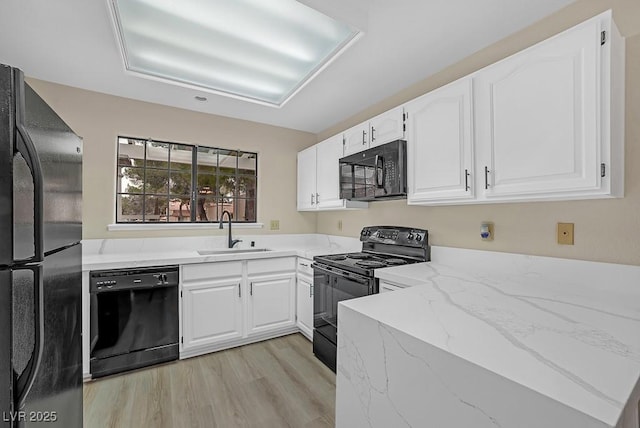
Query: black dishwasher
[[134, 318]]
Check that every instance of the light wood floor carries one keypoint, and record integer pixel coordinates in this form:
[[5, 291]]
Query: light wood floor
[[276, 383]]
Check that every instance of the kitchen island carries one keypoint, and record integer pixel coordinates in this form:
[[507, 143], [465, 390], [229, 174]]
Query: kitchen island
[[493, 340]]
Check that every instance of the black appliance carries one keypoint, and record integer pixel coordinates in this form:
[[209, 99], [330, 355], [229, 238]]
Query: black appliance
[[134, 318], [375, 173], [40, 261], [338, 277]]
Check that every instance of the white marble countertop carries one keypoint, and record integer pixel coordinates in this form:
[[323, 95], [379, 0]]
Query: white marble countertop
[[567, 329], [128, 253]]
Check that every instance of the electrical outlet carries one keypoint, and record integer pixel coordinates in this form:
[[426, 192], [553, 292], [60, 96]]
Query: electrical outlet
[[275, 224], [565, 233], [340, 225]]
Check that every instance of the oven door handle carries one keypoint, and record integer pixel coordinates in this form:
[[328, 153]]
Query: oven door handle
[[335, 271]]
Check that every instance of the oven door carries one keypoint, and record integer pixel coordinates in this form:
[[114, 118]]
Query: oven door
[[331, 286]]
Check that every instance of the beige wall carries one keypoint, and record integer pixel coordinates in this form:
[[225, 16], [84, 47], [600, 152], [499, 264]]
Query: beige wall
[[100, 119], [605, 230]]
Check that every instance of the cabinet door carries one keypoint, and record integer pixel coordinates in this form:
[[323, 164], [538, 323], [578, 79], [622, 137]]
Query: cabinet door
[[328, 154], [537, 117], [271, 303], [387, 127], [304, 306], [307, 179], [439, 145], [356, 139], [212, 312]]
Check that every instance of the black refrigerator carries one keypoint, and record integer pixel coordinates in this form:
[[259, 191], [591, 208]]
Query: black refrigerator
[[40, 261]]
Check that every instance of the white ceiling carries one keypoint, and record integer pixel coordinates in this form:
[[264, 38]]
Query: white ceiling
[[73, 42]]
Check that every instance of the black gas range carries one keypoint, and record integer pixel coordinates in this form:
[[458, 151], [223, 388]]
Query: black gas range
[[339, 277]]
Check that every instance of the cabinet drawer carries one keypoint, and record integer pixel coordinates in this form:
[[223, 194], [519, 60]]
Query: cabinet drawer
[[304, 266], [282, 264], [208, 271]]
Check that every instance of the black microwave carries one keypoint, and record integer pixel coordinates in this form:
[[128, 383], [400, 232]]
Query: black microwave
[[375, 173]]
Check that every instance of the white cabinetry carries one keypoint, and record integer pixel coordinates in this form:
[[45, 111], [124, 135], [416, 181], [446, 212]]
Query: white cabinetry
[[272, 294], [386, 286], [328, 153], [307, 179], [440, 147], [543, 124], [304, 297], [543, 114], [356, 139], [386, 127], [319, 177], [227, 304], [212, 308]]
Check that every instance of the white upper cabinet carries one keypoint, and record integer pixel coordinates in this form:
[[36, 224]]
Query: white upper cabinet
[[307, 179], [387, 127], [328, 153], [384, 128], [319, 177], [544, 124], [439, 148], [356, 139], [542, 118]]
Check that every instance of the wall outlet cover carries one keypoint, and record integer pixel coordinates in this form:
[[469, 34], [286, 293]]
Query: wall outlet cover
[[275, 225], [565, 233]]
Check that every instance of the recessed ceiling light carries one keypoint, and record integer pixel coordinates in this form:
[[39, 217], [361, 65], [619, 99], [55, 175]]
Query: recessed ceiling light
[[199, 98], [262, 51]]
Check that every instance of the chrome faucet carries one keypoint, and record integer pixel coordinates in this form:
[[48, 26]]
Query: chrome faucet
[[232, 242]]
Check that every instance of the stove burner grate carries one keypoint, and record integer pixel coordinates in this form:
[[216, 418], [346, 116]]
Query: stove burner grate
[[358, 256], [370, 263], [395, 262], [336, 258]]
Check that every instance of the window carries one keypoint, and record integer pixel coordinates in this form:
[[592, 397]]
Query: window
[[161, 182]]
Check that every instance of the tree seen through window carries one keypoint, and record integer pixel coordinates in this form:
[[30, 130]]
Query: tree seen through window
[[168, 182]]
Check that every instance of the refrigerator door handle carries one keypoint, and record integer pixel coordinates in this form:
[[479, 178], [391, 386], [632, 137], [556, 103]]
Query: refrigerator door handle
[[27, 149], [26, 379]]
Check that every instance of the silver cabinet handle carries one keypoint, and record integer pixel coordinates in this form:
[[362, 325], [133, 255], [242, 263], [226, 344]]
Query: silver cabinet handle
[[373, 135], [304, 264], [239, 291], [317, 198], [137, 281], [466, 180], [312, 202], [486, 177], [364, 137], [251, 288], [311, 291]]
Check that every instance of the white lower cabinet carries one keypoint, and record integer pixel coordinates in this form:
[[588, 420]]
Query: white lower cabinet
[[271, 302], [226, 304], [304, 298], [212, 312]]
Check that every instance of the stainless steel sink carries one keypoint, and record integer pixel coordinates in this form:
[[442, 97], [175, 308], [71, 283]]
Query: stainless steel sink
[[232, 251]]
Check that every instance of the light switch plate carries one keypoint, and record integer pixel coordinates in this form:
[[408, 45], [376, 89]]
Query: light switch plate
[[565, 233]]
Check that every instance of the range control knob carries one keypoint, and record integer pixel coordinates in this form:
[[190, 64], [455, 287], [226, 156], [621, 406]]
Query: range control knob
[[418, 238], [410, 236]]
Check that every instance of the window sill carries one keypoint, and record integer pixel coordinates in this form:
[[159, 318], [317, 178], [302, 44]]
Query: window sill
[[178, 226]]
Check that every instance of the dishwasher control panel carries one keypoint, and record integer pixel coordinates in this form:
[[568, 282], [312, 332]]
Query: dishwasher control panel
[[126, 279]]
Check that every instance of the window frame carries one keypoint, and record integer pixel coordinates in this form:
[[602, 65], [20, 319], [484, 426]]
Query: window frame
[[194, 195]]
